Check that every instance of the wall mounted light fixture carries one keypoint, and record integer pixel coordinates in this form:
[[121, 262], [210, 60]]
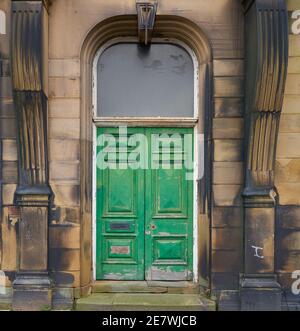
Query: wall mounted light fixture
[[146, 12]]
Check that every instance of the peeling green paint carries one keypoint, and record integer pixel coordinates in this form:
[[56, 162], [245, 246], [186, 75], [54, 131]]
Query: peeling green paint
[[145, 216]]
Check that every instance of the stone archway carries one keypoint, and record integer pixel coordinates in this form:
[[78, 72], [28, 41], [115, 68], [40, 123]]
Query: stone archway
[[166, 27]]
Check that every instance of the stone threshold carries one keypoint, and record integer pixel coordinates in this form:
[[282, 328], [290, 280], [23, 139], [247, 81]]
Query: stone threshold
[[145, 302], [175, 287], [145, 296]]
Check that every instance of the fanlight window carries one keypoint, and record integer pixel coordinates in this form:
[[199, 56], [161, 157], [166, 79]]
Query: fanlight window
[[137, 81]]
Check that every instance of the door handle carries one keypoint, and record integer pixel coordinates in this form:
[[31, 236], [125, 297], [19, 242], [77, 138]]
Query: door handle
[[152, 227]]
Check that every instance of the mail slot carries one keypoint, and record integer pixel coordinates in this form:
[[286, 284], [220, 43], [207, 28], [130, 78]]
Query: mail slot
[[120, 226]]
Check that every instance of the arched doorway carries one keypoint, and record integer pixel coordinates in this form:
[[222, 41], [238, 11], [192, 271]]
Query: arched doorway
[[145, 114], [168, 31]]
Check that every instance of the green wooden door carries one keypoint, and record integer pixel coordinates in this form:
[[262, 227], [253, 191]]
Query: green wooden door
[[145, 215], [120, 210], [169, 207]]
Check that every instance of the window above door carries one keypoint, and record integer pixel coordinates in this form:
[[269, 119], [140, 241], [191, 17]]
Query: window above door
[[145, 82]]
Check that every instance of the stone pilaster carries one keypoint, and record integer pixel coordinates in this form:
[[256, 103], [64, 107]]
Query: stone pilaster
[[32, 286], [266, 66]]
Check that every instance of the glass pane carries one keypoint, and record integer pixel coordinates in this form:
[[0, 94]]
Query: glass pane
[[147, 82]]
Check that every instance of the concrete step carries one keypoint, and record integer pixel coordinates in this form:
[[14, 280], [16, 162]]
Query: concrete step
[[144, 302], [145, 287]]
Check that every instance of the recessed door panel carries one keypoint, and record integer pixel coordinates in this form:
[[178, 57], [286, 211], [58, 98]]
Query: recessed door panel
[[120, 197]]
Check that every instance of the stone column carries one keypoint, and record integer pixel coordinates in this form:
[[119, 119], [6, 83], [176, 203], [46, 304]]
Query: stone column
[[32, 286], [266, 65]]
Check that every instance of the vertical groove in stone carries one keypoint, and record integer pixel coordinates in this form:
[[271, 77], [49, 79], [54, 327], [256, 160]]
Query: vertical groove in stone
[[268, 86], [29, 97], [26, 49]]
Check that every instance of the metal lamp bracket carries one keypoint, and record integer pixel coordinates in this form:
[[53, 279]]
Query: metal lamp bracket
[[146, 12]]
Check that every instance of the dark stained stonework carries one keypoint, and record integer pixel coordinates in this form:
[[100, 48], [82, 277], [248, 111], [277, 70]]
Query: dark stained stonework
[[29, 96], [266, 69], [287, 253], [32, 286]]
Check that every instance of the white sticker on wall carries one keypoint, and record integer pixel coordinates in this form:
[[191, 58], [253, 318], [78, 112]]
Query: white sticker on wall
[[2, 22], [296, 23], [2, 283]]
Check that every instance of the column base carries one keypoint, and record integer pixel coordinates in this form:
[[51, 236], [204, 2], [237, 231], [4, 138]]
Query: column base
[[32, 292], [63, 299], [260, 292]]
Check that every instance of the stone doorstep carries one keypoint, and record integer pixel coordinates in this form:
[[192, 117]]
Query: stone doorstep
[[145, 302], [180, 287], [5, 305], [6, 299], [229, 301]]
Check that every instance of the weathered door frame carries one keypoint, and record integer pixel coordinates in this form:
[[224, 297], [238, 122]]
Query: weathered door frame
[[151, 122]]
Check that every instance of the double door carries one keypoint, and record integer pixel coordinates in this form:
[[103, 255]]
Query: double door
[[144, 211]]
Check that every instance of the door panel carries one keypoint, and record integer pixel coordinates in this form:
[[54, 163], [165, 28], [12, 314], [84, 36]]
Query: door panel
[[120, 213], [169, 208]]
